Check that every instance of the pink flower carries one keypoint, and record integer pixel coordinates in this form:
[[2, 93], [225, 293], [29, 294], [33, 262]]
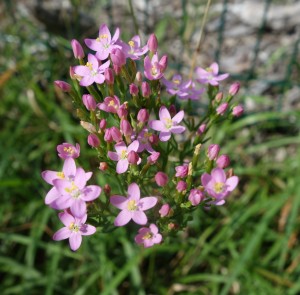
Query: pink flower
[[161, 178], [217, 186], [181, 186], [144, 143], [210, 75], [93, 140], [143, 116], [91, 72], [148, 236], [67, 150], [175, 84], [121, 155], [190, 92], [167, 125], [133, 206], [104, 43], [182, 171], [153, 68], [110, 104], [213, 151], [152, 159], [196, 196], [89, 102], [118, 57], [152, 43], [133, 49], [74, 229], [237, 111]]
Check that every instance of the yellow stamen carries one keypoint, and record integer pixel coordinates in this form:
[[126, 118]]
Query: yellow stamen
[[154, 70], [131, 43], [111, 104], [60, 175], [176, 81], [123, 154], [69, 150], [131, 205], [218, 187], [168, 123], [209, 70], [147, 236], [89, 65], [73, 227], [72, 188]]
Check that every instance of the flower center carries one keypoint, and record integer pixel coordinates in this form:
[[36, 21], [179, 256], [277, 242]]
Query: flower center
[[131, 43], [69, 150], [154, 71], [219, 187], [60, 175], [209, 70], [148, 236], [73, 227], [73, 190], [112, 104], [123, 154], [131, 205], [89, 65], [176, 81], [169, 123]]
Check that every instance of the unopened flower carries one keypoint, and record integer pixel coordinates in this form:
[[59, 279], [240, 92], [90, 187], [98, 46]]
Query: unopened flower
[[121, 155], [152, 43], [234, 88], [196, 196], [103, 166], [182, 171], [104, 43], [237, 111], [222, 108], [133, 206], [118, 57], [181, 186], [93, 140], [154, 69], [164, 210], [223, 161], [210, 75], [67, 150], [148, 236], [167, 125], [77, 49], [133, 89], [201, 129], [146, 91], [126, 128], [161, 178], [109, 76], [143, 115], [133, 158], [89, 102], [63, 86], [213, 151], [74, 229]]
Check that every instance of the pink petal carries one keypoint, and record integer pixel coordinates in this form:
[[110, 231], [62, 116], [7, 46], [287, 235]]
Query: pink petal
[[119, 201], [157, 239], [121, 146], [92, 44], [148, 243], [80, 178], [147, 64], [51, 196], [103, 53], [232, 182], [66, 218], [62, 234], [147, 203], [215, 68], [177, 129], [157, 125], [139, 217], [122, 166], [153, 228], [222, 77], [99, 78], [133, 192], [136, 39], [165, 136], [81, 70], [218, 175], [69, 168], [133, 146], [88, 175], [90, 193], [116, 35], [75, 241], [63, 202], [78, 208], [94, 61], [87, 229], [205, 179], [104, 66], [103, 30], [49, 176], [113, 156], [139, 239], [219, 203], [164, 114], [123, 218], [178, 117], [86, 81], [61, 185]]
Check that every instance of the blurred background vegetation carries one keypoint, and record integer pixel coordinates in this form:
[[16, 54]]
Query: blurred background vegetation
[[249, 246]]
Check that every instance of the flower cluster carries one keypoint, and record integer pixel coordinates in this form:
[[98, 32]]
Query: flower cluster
[[135, 132]]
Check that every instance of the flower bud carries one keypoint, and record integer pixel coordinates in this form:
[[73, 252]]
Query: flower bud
[[146, 91], [172, 110], [234, 88], [103, 166], [163, 63], [118, 57], [116, 134], [117, 69], [161, 178], [89, 102], [237, 111], [108, 135], [219, 97], [222, 108], [77, 49], [63, 86], [139, 77], [133, 157], [164, 210], [143, 115], [213, 151], [152, 159], [181, 186], [201, 129], [133, 89], [223, 161], [107, 189], [182, 171], [122, 111], [109, 76], [152, 43], [102, 124], [88, 126], [172, 226], [126, 128], [93, 140], [196, 196], [153, 139]]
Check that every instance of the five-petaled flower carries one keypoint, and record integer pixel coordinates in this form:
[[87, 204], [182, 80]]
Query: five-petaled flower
[[154, 69], [133, 48], [167, 125], [74, 228], [67, 150], [133, 206], [210, 75], [148, 236]]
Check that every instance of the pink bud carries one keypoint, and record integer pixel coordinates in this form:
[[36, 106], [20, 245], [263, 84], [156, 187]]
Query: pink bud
[[133, 89], [139, 77], [103, 166], [93, 140], [116, 134], [117, 69], [222, 108], [196, 196], [143, 115], [126, 128], [181, 186], [108, 135], [234, 88], [152, 43], [109, 76], [219, 97], [89, 102], [213, 151], [237, 111], [146, 91], [201, 129], [133, 157], [163, 63], [77, 49], [62, 85], [153, 139], [164, 210], [182, 171], [161, 178], [118, 57], [172, 110], [223, 161], [152, 159], [102, 124], [122, 111]]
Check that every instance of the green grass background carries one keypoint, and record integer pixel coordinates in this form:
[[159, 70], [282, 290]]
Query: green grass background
[[249, 246]]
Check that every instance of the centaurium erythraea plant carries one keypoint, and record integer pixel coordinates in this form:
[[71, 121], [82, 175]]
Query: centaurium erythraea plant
[[147, 140]]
